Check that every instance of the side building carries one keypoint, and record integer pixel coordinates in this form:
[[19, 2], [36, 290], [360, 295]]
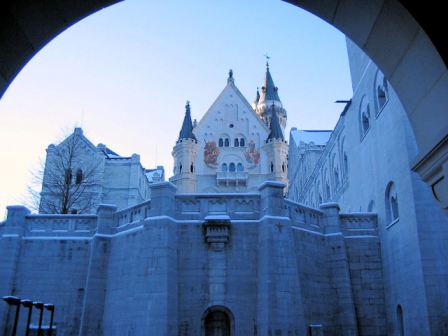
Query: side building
[[364, 167], [78, 176]]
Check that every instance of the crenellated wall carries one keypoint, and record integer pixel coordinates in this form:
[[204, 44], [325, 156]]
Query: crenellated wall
[[276, 266]]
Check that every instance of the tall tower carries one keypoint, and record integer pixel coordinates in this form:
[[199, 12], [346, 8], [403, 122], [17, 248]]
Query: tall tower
[[184, 153], [276, 148], [268, 97]]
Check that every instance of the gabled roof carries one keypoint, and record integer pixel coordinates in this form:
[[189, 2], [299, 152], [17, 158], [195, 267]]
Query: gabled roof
[[231, 86]]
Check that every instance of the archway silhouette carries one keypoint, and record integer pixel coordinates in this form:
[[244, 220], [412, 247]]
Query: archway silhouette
[[405, 44]]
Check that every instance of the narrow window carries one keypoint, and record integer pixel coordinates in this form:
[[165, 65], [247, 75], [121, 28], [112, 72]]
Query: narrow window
[[272, 167], [400, 320], [78, 176], [224, 167], [68, 176], [365, 122], [226, 142], [180, 168], [236, 142], [283, 167], [242, 144], [191, 168], [392, 212], [232, 167], [240, 167], [220, 142]]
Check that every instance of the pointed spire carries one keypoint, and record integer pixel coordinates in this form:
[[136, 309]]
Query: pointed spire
[[269, 91], [186, 131], [276, 130], [230, 78], [257, 97]]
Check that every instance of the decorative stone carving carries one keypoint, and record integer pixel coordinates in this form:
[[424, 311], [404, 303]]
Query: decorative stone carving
[[217, 231]]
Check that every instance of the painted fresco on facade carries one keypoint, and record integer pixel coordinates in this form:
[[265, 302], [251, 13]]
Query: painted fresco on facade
[[252, 154], [211, 153]]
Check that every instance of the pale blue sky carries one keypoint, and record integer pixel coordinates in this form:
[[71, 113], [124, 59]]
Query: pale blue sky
[[124, 74]]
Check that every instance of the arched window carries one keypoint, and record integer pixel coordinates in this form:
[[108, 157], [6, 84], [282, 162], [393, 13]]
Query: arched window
[[381, 92], [78, 179], [242, 142], [272, 167], [400, 320], [191, 168], [224, 167], [392, 213], [220, 142], [226, 142], [232, 167], [240, 167], [236, 142], [68, 176], [283, 167], [364, 116], [180, 168]]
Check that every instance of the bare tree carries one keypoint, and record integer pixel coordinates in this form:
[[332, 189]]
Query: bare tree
[[70, 179]]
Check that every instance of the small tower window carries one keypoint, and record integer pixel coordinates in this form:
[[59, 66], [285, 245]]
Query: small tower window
[[78, 176], [220, 142], [226, 142], [283, 167], [236, 142], [232, 167], [240, 167], [242, 144], [180, 168], [224, 167], [272, 167], [191, 168]]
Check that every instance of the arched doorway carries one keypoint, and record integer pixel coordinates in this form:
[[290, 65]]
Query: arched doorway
[[217, 321]]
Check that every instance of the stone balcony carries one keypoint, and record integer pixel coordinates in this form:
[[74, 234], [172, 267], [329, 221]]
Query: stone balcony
[[231, 178]]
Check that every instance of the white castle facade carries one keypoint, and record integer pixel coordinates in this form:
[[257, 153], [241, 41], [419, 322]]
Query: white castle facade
[[331, 235]]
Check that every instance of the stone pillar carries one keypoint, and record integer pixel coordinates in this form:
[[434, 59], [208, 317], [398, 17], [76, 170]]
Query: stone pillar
[[106, 223], [10, 243], [163, 199], [96, 281], [332, 223], [271, 198], [339, 271]]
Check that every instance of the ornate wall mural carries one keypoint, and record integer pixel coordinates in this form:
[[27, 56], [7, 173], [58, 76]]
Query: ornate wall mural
[[252, 154], [211, 153]]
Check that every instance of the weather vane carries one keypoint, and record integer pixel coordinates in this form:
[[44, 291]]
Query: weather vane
[[267, 59]]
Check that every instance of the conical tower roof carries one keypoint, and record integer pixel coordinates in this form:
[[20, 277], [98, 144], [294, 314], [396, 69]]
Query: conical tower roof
[[186, 131], [276, 131], [269, 92]]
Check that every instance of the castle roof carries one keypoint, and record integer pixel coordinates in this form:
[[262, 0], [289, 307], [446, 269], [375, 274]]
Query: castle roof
[[269, 92], [276, 130], [186, 132]]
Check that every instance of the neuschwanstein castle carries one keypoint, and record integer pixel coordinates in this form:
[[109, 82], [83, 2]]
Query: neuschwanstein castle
[[331, 234]]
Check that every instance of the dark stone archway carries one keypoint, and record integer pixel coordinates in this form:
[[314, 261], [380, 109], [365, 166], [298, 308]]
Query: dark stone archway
[[405, 40]]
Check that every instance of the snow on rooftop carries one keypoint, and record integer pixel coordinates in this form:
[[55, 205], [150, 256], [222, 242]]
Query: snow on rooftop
[[155, 175], [317, 137]]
